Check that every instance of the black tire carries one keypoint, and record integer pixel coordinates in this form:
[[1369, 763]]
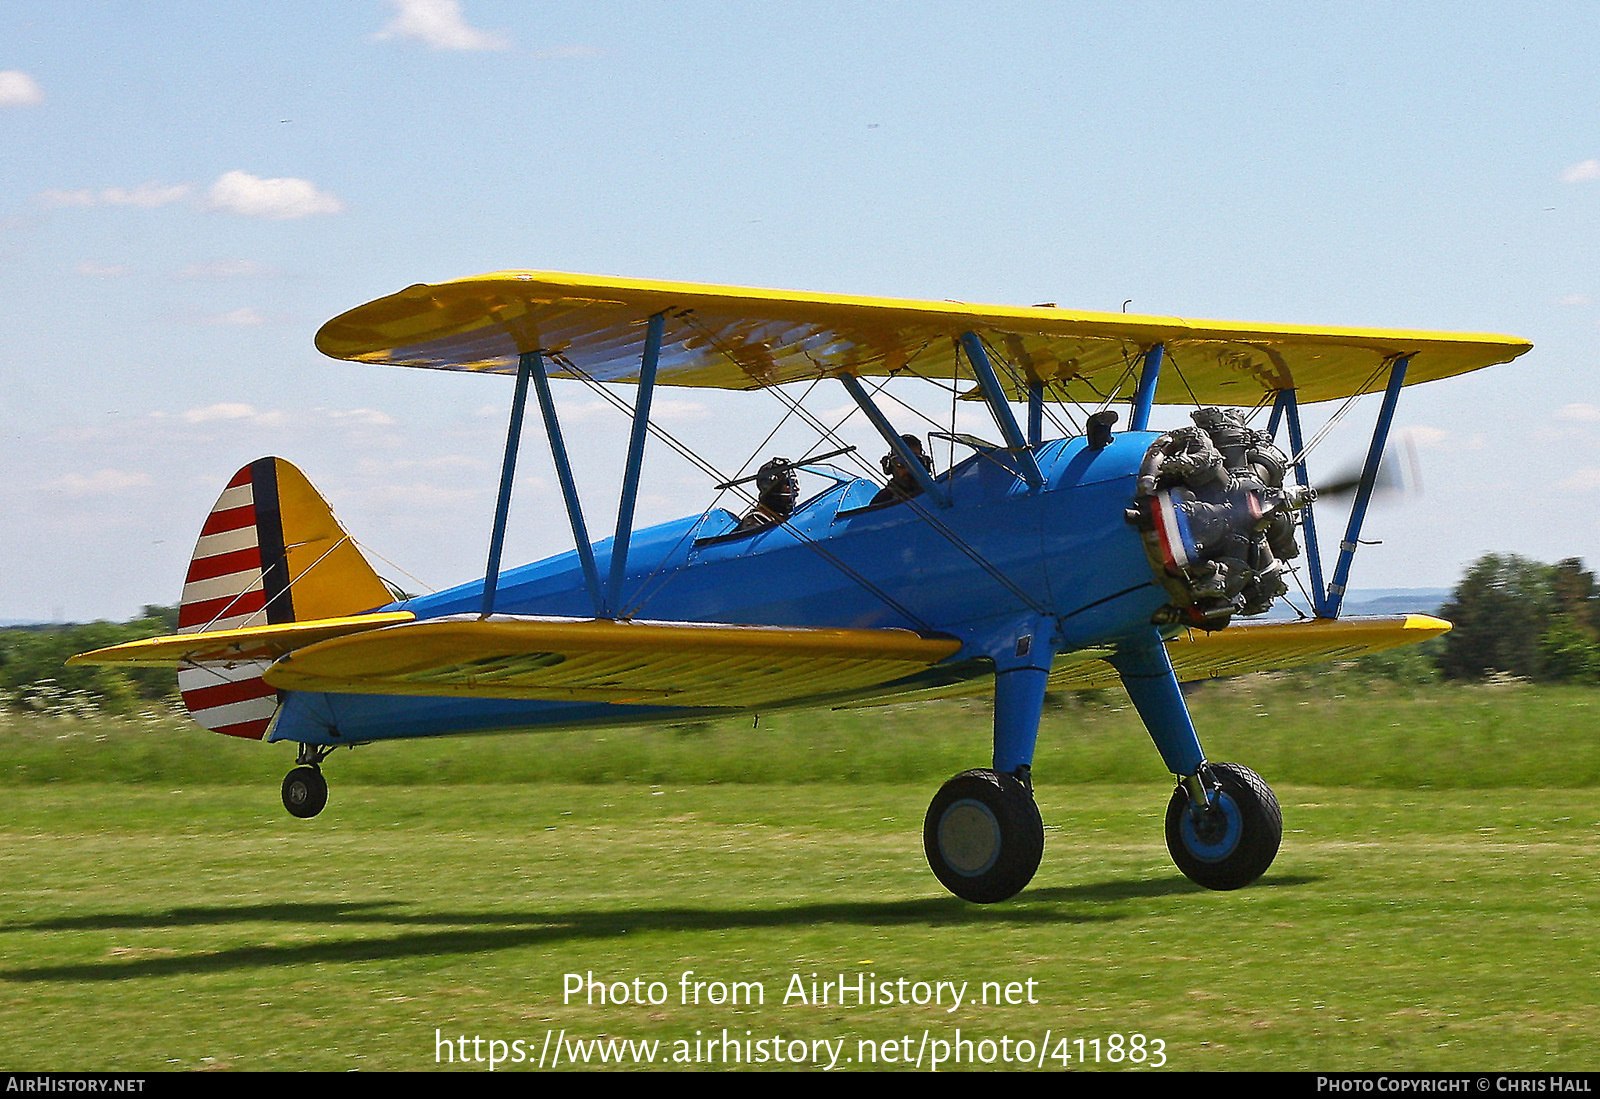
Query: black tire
[[1235, 841], [305, 792], [983, 836]]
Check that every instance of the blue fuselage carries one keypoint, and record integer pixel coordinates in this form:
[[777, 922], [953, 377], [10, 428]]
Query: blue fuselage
[[1002, 561]]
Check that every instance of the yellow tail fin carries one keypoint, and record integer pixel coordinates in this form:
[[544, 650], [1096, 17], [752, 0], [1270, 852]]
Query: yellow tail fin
[[271, 551]]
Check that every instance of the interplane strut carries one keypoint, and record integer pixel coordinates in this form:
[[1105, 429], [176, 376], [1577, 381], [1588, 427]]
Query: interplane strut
[[1326, 602]]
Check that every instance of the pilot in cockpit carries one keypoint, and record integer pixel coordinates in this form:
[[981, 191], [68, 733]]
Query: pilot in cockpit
[[777, 491], [903, 484]]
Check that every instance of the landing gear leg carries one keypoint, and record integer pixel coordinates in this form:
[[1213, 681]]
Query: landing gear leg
[[1223, 822], [983, 834], [305, 791]]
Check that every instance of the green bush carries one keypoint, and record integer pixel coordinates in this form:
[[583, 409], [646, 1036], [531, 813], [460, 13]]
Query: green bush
[[34, 674]]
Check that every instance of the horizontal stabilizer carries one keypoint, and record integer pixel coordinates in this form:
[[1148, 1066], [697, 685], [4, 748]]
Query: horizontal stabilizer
[[650, 663], [233, 646]]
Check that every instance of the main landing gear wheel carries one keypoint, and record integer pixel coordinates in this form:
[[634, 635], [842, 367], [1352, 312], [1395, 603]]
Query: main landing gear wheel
[[1232, 843], [305, 791], [983, 836]]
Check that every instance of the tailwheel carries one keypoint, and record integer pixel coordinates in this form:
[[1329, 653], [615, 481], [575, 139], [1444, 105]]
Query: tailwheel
[[1231, 842], [305, 791], [983, 836]]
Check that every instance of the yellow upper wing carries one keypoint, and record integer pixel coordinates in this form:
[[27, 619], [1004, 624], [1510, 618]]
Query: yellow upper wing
[[742, 338]]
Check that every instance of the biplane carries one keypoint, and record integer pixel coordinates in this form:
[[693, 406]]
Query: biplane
[[1084, 554]]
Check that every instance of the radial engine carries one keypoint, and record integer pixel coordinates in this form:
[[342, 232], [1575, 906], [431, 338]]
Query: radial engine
[[1216, 519]]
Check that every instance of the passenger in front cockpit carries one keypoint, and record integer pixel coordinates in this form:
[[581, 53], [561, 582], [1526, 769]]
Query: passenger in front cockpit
[[777, 491], [903, 484]]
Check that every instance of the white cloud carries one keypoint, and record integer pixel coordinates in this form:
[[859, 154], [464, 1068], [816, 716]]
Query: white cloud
[[444, 464], [1423, 436], [146, 195], [99, 483], [1575, 299], [559, 52], [423, 494], [102, 270], [280, 199], [674, 410], [18, 89], [219, 412], [369, 416], [54, 200], [1582, 172], [224, 269], [238, 412], [438, 23], [1579, 413], [1586, 479], [245, 316], [578, 412]]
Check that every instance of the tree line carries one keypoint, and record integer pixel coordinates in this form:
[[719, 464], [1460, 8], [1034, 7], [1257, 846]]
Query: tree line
[[1514, 616], [34, 675]]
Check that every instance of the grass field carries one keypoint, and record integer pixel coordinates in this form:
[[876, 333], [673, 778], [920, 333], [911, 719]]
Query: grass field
[[1433, 906]]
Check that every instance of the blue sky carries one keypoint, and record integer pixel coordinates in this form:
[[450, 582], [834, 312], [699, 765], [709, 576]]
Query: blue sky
[[188, 190]]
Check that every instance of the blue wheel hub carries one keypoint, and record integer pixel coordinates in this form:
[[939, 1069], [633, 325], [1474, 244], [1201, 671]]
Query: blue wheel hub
[[1212, 835], [970, 838]]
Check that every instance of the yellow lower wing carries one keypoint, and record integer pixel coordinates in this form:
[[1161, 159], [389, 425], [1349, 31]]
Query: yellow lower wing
[[694, 664], [1242, 648], [1265, 646], [662, 663]]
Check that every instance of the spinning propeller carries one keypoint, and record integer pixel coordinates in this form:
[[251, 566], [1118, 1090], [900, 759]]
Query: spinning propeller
[[1399, 474]]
